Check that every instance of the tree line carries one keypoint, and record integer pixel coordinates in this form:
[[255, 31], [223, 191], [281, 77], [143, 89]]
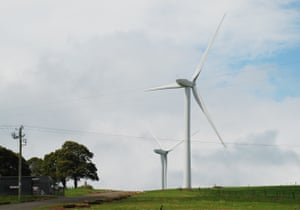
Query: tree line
[[71, 162]]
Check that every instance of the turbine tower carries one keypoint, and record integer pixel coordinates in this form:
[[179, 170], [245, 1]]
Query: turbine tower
[[190, 85], [164, 164]]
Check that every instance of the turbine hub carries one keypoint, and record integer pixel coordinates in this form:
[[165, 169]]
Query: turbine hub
[[161, 151], [185, 83]]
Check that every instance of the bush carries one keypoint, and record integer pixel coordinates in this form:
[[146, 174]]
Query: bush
[[87, 186]]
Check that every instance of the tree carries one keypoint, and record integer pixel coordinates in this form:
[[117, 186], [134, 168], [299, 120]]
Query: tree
[[49, 167], [9, 162], [35, 166], [74, 161]]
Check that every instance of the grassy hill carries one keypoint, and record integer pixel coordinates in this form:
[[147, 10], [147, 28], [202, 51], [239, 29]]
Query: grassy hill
[[217, 198], [260, 198]]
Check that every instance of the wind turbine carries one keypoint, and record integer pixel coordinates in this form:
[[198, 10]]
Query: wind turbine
[[189, 85], [164, 159]]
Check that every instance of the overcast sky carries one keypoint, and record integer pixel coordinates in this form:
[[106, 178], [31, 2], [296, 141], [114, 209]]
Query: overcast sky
[[77, 70]]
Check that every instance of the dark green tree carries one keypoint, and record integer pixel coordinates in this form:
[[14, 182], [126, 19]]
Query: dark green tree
[[50, 168], [9, 162], [35, 166], [75, 162], [72, 161]]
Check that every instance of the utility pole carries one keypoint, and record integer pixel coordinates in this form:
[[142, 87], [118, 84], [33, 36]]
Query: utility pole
[[21, 141]]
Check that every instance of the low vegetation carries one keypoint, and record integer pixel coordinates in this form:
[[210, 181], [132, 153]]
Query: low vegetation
[[236, 198], [83, 190], [227, 198], [13, 199]]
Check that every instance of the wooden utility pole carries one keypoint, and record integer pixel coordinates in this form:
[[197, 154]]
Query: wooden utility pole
[[20, 137]]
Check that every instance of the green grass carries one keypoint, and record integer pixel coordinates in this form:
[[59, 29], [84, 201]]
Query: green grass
[[11, 199], [70, 192], [236, 198], [6, 199], [227, 198]]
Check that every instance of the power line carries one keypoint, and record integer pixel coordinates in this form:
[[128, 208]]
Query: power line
[[68, 131], [145, 138]]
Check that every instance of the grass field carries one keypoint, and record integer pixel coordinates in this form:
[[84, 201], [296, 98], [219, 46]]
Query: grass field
[[71, 192], [236, 198], [227, 198], [67, 193], [12, 199]]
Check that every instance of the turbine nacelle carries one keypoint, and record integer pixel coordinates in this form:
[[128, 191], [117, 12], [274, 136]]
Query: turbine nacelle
[[185, 83], [161, 151]]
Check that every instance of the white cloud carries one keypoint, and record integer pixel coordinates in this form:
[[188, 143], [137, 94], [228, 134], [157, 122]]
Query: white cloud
[[257, 164]]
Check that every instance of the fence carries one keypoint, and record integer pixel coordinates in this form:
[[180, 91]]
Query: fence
[[30, 185]]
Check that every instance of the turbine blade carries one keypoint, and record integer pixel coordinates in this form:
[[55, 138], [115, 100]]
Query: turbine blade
[[204, 56], [163, 87], [176, 145], [197, 98], [154, 137], [204, 110], [197, 131]]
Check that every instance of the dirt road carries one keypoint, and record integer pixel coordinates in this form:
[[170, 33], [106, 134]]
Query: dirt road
[[107, 196]]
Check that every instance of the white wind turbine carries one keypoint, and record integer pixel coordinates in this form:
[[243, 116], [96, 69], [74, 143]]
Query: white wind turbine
[[164, 161], [189, 85]]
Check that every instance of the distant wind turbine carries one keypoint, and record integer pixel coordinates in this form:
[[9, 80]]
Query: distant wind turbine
[[164, 159], [189, 85]]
